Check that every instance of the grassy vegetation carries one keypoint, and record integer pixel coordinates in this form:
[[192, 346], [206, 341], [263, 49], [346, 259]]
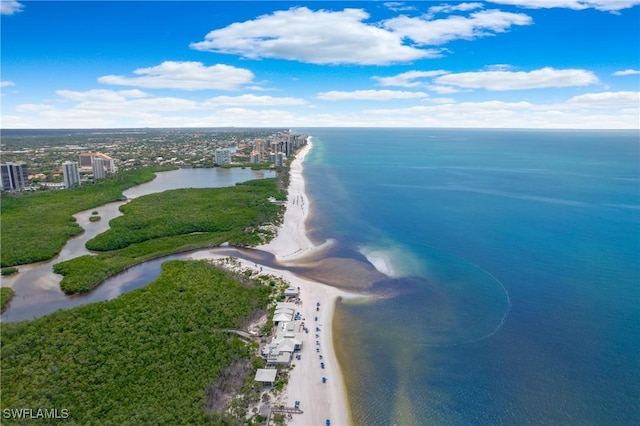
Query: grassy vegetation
[[35, 226], [6, 294], [174, 221], [151, 356], [8, 271], [252, 166], [94, 218], [186, 211]]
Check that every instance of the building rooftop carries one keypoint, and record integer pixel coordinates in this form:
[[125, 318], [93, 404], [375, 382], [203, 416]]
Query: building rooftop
[[266, 375]]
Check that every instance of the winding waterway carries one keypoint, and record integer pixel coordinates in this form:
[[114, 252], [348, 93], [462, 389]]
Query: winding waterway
[[37, 287]]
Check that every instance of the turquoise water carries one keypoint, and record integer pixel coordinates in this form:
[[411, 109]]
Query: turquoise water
[[517, 253]]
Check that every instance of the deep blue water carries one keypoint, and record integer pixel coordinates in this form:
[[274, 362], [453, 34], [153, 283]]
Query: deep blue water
[[518, 254]]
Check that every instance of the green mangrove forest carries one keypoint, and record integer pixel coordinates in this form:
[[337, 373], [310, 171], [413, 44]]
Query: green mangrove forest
[[157, 355], [172, 221], [35, 226], [162, 354], [6, 294]]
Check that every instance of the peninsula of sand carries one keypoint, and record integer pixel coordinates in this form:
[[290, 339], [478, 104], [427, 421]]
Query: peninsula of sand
[[320, 400]]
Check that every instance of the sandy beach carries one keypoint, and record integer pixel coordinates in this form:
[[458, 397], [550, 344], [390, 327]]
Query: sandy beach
[[319, 401], [291, 240]]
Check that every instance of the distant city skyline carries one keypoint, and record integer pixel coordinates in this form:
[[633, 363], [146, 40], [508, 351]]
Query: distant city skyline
[[497, 64]]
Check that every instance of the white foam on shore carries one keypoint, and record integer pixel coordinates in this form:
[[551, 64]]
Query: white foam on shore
[[393, 260], [380, 260]]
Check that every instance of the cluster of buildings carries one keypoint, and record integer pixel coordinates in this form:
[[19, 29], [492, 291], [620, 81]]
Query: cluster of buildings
[[95, 165], [274, 149], [15, 176], [287, 338], [183, 148], [92, 164]]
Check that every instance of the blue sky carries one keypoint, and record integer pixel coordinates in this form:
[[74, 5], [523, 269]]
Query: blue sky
[[497, 64]]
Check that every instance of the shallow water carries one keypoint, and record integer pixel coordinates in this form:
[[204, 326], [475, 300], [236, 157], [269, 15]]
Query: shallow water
[[517, 252]]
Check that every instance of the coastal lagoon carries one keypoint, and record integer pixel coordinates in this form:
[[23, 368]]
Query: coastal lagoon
[[515, 288], [37, 288]]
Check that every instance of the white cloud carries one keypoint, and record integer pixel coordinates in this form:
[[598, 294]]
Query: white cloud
[[408, 79], [499, 114], [101, 95], [185, 76], [443, 90], [253, 100], [397, 6], [607, 99], [509, 80], [9, 7], [498, 67], [318, 37], [602, 5], [443, 100], [124, 101], [33, 107], [438, 113], [626, 72], [439, 31], [370, 95], [6, 83], [134, 108], [462, 7]]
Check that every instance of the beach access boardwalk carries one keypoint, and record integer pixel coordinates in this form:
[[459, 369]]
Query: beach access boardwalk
[[240, 333], [287, 410]]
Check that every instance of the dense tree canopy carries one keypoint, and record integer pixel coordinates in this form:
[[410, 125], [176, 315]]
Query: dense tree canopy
[[146, 357], [183, 219], [35, 226]]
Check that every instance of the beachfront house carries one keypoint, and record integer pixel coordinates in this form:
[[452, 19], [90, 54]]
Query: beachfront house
[[266, 376], [287, 339], [284, 312]]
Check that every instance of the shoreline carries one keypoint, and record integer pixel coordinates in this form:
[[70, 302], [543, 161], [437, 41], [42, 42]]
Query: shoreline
[[319, 401], [291, 240]]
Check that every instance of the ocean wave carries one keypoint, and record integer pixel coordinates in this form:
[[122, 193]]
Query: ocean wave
[[392, 260]]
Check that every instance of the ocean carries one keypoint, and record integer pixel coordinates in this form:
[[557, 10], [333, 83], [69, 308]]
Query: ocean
[[515, 292]]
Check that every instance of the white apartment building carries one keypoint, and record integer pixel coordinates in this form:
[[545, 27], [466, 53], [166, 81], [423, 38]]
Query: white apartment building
[[99, 168], [223, 156], [70, 174]]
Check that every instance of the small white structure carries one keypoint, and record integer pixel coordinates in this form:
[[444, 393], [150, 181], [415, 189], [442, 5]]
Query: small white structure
[[267, 376], [291, 292]]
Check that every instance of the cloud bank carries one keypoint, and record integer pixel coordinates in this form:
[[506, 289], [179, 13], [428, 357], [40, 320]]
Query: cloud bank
[[185, 76], [343, 37]]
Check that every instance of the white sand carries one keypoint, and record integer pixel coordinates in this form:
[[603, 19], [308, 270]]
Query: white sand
[[291, 240], [318, 401]]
